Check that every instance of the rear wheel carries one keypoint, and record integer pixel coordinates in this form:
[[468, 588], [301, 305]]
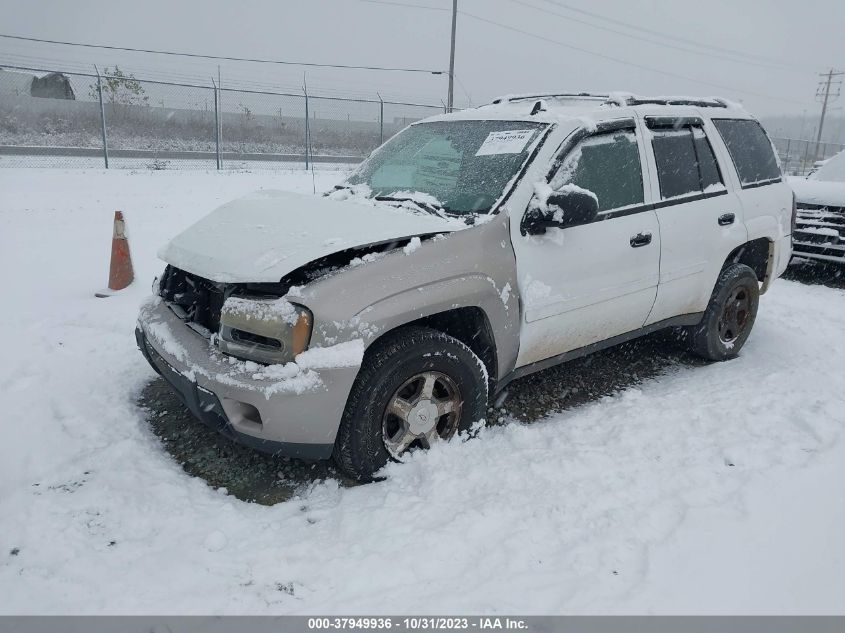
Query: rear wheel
[[417, 387], [729, 316]]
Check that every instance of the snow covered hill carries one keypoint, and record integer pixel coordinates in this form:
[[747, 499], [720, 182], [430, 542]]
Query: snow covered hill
[[714, 489]]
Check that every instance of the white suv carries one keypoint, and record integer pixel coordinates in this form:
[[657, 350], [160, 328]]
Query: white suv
[[471, 249]]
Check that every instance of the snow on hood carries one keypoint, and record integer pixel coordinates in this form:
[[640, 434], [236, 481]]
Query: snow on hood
[[832, 170], [818, 191], [266, 235]]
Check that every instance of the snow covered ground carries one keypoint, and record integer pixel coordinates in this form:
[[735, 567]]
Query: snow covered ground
[[714, 489]]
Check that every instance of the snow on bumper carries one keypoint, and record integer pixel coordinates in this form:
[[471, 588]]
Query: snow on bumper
[[292, 409]]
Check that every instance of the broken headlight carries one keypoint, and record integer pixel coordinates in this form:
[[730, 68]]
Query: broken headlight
[[266, 330]]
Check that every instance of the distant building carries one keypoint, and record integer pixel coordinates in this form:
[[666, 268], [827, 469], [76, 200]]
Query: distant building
[[52, 86], [49, 86]]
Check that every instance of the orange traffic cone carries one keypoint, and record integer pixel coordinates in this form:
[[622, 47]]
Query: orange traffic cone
[[120, 268]]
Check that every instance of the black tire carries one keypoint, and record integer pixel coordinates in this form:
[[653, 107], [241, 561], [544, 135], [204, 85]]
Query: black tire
[[729, 316], [360, 449]]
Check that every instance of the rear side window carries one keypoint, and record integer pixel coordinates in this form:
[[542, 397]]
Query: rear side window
[[750, 150], [676, 165], [609, 166], [707, 166], [685, 161]]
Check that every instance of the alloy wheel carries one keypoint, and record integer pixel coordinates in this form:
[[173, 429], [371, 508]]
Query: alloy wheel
[[425, 409]]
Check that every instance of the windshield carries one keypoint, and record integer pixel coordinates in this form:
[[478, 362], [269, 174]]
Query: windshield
[[464, 166]]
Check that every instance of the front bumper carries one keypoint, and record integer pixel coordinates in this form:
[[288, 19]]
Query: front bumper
[[294, 416]]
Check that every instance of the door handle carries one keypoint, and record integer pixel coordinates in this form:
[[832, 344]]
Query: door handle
[[726, 218], [640, 239]]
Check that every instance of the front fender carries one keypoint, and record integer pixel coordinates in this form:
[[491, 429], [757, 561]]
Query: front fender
[[498, 301], [474, 267]]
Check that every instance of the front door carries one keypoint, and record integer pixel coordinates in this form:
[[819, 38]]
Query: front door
[[588, 283]]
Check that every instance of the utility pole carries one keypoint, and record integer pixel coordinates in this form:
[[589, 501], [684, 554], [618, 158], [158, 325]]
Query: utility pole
[[102, 117], [219, 118], [217, 123], [450, 99], [824, 94]]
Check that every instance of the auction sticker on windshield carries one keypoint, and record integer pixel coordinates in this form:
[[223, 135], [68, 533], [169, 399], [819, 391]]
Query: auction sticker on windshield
[[504, 142]]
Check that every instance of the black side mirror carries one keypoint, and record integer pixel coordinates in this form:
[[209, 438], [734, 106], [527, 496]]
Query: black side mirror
[[569, 207]]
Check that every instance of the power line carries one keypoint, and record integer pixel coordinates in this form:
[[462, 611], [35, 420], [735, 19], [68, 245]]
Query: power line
[[682, 40], [465, 91], [402, 4], [727, 53], [625, 61], [651, 40], [223, 57], [603, 55]]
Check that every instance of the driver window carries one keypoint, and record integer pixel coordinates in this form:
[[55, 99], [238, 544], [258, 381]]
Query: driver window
[[609, 166]]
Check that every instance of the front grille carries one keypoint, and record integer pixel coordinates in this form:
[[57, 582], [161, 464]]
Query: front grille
[[193, 298], [820, 232]]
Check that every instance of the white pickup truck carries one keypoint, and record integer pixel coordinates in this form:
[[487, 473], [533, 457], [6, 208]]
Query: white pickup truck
[[820, 225]]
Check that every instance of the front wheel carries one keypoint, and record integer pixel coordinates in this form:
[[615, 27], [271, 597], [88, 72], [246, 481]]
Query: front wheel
[[417, 387], [729, 316]]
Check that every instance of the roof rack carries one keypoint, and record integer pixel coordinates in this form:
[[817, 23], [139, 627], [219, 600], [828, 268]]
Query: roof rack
[[618, 99], [551, 95], [677, 101]]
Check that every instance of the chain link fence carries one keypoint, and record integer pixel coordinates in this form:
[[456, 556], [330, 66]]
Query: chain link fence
[[799, 156], [60, 119]]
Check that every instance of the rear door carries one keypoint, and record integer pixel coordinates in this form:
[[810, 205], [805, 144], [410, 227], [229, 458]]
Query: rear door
[[699, 214], [766, 198], [588, 283]]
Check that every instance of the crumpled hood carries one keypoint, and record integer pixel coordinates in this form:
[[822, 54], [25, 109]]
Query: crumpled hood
[[266, 235]]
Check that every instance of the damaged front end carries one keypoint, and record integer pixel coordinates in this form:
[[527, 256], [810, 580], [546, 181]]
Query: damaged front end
[[248, 321], [260, 322], [237, 355]]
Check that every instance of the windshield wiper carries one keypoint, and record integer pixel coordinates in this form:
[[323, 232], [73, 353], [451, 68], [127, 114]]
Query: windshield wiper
[[337, 188], [425, 206]]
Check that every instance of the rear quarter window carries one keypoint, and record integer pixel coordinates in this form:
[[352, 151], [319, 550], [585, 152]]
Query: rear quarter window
[[750, 150]]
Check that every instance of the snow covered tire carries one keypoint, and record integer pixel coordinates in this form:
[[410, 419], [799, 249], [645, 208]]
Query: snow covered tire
[[393, 364], [729, 316]]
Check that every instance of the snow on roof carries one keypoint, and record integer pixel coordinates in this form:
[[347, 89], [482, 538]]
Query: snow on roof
[[569, 96], [556, 107], [620, 98], [519, 111]]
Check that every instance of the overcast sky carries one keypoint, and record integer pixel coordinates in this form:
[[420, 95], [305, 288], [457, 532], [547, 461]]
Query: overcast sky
[[765, 53]]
